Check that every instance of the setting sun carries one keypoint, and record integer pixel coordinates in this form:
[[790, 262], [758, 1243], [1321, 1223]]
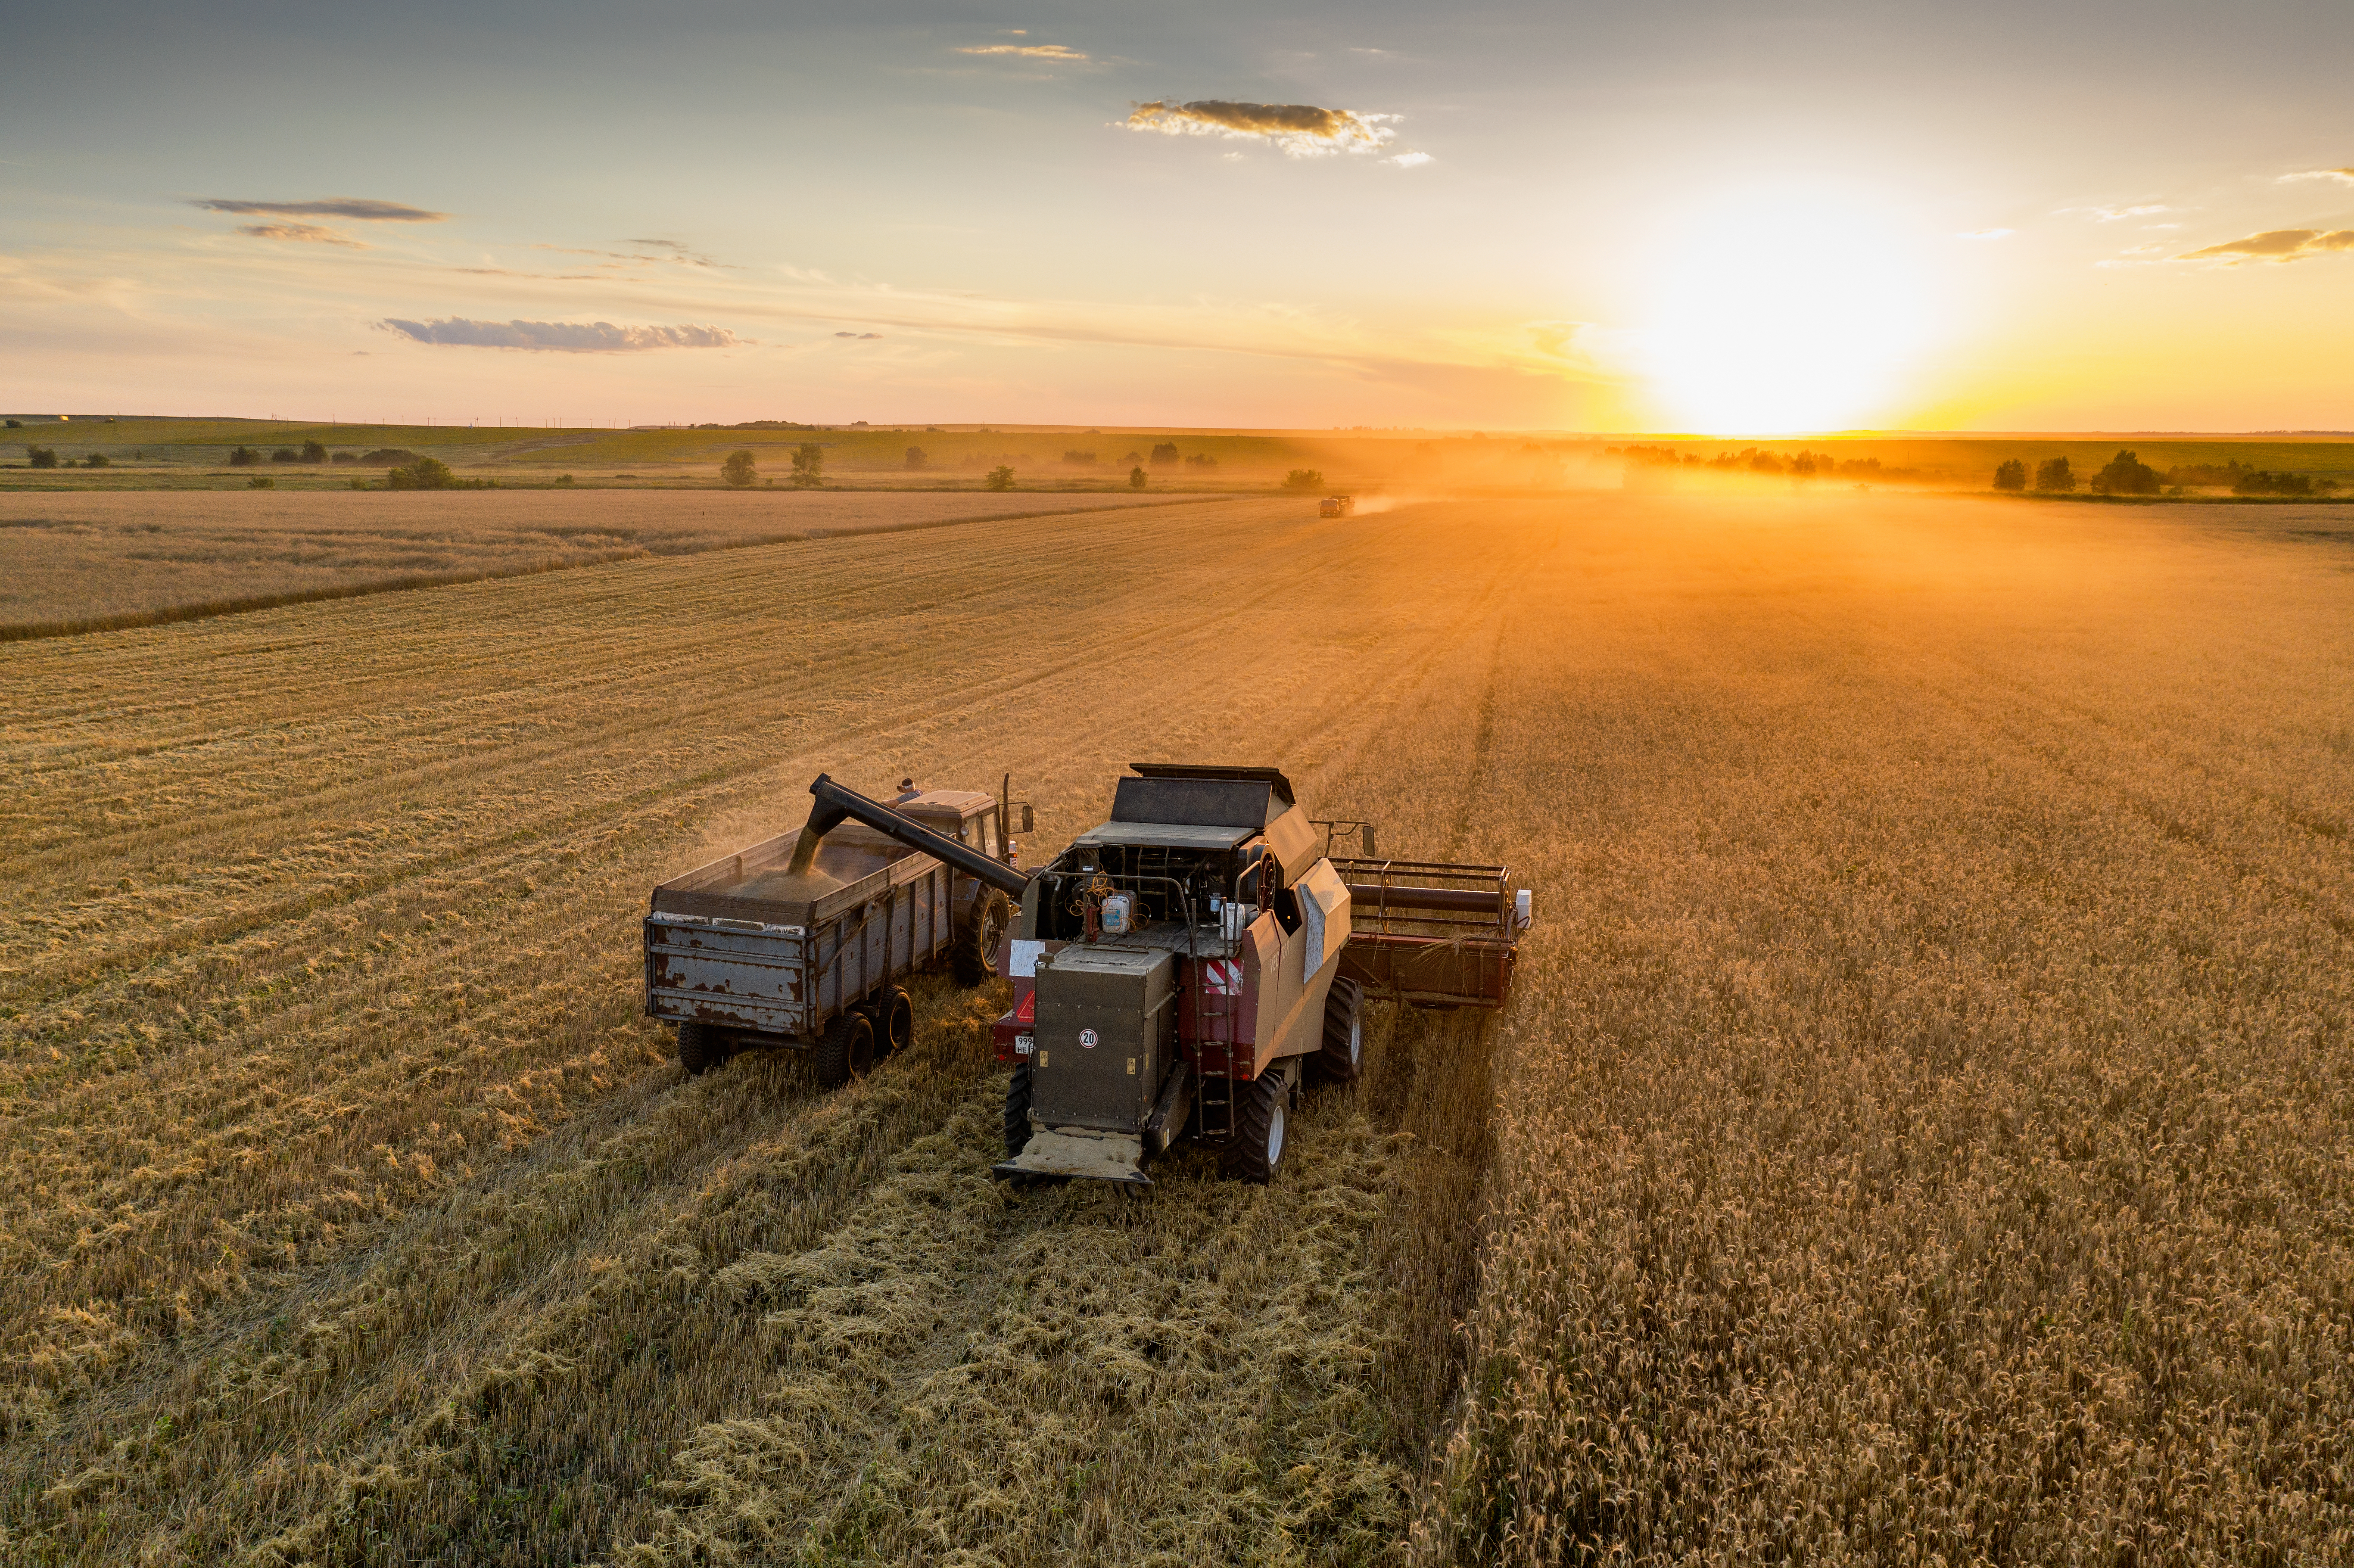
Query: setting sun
[[1782, 315]]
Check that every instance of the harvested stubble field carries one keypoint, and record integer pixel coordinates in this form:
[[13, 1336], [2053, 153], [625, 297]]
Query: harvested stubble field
[[1920, 1132], [103, 561]]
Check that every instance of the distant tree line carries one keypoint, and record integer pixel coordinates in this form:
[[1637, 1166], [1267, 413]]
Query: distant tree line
[[1802, 464], [2127, 475], [46, 456]]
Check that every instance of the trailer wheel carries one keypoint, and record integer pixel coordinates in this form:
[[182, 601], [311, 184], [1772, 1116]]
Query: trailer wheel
[[1256, 1148], [974, 958], [895, 1020], [847, 1050], [1343, 1058], [699, 1049], [1017, 1111]]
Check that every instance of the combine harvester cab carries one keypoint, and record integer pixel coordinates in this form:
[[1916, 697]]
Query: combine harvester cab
[[1179, 970]]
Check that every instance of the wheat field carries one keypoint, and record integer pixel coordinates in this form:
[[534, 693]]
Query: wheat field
[[110, 559], [1920, 1132]]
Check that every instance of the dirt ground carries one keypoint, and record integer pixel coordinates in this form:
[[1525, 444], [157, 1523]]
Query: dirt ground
[[1920, 1126]]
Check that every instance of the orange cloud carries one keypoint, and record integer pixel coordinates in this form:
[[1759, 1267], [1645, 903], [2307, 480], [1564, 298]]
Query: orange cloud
[[1299, 129], [310, 233], [2276, 245]]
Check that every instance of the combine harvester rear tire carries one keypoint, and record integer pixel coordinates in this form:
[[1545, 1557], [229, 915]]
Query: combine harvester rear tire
[[1342, 1057], [847, 1050]]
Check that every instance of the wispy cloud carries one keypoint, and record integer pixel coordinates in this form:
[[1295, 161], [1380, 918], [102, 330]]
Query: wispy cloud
[[357, 208], [1409, 160], [680, 256], [1027, 51], [561, 337], [2115, 214], [310, 233], [1301, 129], [1985, 234], [2276, 245], [2344, 176], [862, 335]]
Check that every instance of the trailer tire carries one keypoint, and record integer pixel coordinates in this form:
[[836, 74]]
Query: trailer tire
[[1342, 1057], [700, 1049], [847, 1050], [1017, 1111], [894, 1023], [1256, 1150], [974, 958]]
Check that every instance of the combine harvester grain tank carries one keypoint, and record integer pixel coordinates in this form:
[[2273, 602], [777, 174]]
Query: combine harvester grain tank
[[1180, 969]]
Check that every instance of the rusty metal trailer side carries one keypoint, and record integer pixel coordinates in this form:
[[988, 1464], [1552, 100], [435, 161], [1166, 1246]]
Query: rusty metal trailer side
[[714, 960]]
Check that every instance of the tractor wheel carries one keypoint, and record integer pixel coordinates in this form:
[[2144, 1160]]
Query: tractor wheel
[[700, 1048], [847, 1050], [1256, 1148], [1342, 1057], [1017, 1111], [894, 1023], [974, 958]]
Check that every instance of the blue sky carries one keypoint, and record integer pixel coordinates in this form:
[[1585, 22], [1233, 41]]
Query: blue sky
[[1628, 218]]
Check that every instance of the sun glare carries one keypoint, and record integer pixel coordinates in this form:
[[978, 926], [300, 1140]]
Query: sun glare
[[1782, 315]]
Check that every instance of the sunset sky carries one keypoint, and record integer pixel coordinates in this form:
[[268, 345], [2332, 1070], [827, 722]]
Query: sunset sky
[[1673, 216]]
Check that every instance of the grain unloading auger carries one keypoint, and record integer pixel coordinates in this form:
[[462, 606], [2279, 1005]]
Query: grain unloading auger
[[1181, 969]]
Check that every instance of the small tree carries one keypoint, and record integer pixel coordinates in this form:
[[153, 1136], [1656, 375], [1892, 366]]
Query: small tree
[[424, 473], [16, 424], [915, 458], [2127, 475], [285, 454], [244, 457], [809, 465], [1136, 479], [41, 457], [98, 460], [1304, 479], [999, 478], [1164, 454], [2056, 477], [2010, 475], [737, 469], [263, 482], [314, 452]]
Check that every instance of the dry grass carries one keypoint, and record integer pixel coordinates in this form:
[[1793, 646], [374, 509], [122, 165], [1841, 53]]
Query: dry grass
[[109, 560], [1921, 1127]]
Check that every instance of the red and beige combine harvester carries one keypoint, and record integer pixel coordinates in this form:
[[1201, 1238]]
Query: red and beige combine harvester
[[1178, 972]]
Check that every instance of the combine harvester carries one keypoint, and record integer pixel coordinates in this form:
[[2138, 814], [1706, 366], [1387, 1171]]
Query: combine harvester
[[1177, 972]]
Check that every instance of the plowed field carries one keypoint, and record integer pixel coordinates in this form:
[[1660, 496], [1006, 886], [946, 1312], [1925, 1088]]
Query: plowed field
[[1922, 1124]]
